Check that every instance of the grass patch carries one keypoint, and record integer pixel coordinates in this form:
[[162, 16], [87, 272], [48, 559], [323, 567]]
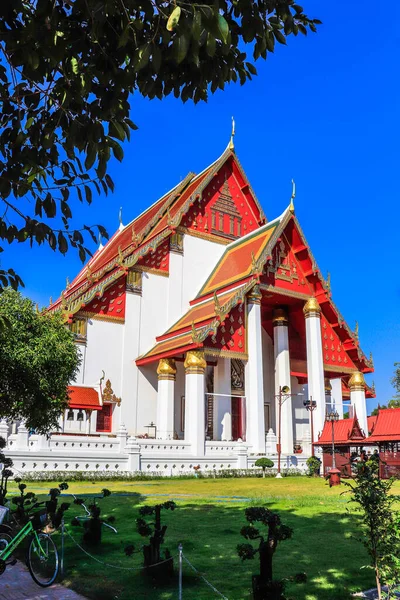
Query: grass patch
[[207, 522]]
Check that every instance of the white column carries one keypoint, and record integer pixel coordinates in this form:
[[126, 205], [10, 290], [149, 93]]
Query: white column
[[166, 372], [223, 403], [282, 378], [22, 437], [329, 403], [175, 279], [88, 415], [195, 367], [254, 379], [337, 395], [315, 365], [357, 399], [131, 350]]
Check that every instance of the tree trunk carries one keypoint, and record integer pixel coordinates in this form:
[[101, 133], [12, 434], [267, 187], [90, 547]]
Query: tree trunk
[[378, 584], [263, 472], [266, 553]]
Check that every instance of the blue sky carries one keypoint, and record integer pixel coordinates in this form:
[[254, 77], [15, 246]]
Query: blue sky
[[325, 111]]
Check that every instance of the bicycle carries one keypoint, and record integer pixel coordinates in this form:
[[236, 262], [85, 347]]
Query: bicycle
[[42, 557]]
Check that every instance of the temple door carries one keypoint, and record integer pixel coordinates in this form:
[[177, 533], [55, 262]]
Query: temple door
[[238, 405], [104, 418]]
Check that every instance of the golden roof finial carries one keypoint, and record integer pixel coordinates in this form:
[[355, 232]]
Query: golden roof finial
[[356, 331], [195, 334], [135, 237], [328, 282], [51, 300], [371, 359], [120, 260], [291, 206], [169, 218], [67, 284], [120, 218], [231, 144], [254, 266], [63, 300], [89, 274]]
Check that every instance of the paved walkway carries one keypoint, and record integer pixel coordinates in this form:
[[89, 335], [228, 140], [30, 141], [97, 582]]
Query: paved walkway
[[17, 584]]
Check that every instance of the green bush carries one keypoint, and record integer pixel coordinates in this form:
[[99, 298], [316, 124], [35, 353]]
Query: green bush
[[314, 466], [264, 463]]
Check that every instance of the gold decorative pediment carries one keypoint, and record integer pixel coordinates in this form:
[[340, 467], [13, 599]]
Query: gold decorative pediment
[[108, 394]]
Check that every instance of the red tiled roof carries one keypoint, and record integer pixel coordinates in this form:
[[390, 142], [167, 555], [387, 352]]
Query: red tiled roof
[[387, 426], [84, 397], [371, 421], [346, 431]]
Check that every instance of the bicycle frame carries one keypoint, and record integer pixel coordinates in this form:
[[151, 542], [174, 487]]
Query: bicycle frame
[[21, 535]]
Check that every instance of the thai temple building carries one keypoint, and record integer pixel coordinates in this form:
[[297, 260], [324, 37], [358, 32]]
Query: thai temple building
[[190, 321]]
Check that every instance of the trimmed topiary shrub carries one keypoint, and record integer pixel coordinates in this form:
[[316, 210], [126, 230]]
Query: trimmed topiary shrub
[[264, 463]]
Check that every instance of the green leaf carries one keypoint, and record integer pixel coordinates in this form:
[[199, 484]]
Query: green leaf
[[62, 243], [279, 36], [74, 66], [143, 57], [223, 28], [181, 45], [88, 194], [196, 26], [156, 58], [174, 18], [211, 45], [124, 37], [90, 156], [251, 68]]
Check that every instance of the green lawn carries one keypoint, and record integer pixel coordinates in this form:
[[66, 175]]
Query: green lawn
[[207, 522]]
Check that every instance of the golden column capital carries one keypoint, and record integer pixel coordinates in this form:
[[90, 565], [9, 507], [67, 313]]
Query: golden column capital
[[280, 317], [166, 369], [328, 386], [195, 362], [254, 296], [312, 308], [357, 382]]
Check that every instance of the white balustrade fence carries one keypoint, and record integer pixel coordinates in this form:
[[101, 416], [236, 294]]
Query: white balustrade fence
[[102, 452]]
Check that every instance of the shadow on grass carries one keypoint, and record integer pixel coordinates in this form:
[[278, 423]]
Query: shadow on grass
[[323, 546]]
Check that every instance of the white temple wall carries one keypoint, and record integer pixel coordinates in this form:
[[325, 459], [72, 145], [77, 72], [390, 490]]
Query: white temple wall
[[146, 406], [153, 314], [269, 378], [79, 379], [129, 370], [104, 353], [175, 288], [199, 259]]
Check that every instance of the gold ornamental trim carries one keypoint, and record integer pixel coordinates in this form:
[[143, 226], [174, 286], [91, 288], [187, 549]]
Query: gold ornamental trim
[[312, 308], [280, 317], [97, 317], [357, 382], [204, 236], [225, 353], [195, 362], [338, 369], [255, 295], [166, 369]]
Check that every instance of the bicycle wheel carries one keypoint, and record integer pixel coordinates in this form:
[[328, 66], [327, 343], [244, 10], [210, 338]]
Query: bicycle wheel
[[43, 560]]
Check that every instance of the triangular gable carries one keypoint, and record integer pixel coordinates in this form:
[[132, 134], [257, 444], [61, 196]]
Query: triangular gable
[[332, 347], [346, 431], [111, 305], [230, 339]]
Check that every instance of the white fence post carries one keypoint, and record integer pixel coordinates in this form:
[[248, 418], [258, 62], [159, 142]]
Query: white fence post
[[122, 435], [241, 452], [271, 442], [132, 448], [22, 437]]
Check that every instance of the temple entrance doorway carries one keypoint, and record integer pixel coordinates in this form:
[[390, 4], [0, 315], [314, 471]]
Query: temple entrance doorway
[[238, 400], [104, 419]]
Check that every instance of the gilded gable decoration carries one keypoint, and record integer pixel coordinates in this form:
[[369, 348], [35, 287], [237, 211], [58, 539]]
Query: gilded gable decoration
[[108, 394]]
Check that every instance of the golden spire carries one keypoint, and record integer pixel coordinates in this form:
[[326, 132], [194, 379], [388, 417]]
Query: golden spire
[[231, 144], [328, 282], [120, 260], [291, 206]]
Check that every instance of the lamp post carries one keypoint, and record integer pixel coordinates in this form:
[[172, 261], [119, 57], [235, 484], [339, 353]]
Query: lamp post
[[332, 417], [310, 405], [281, 397]]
